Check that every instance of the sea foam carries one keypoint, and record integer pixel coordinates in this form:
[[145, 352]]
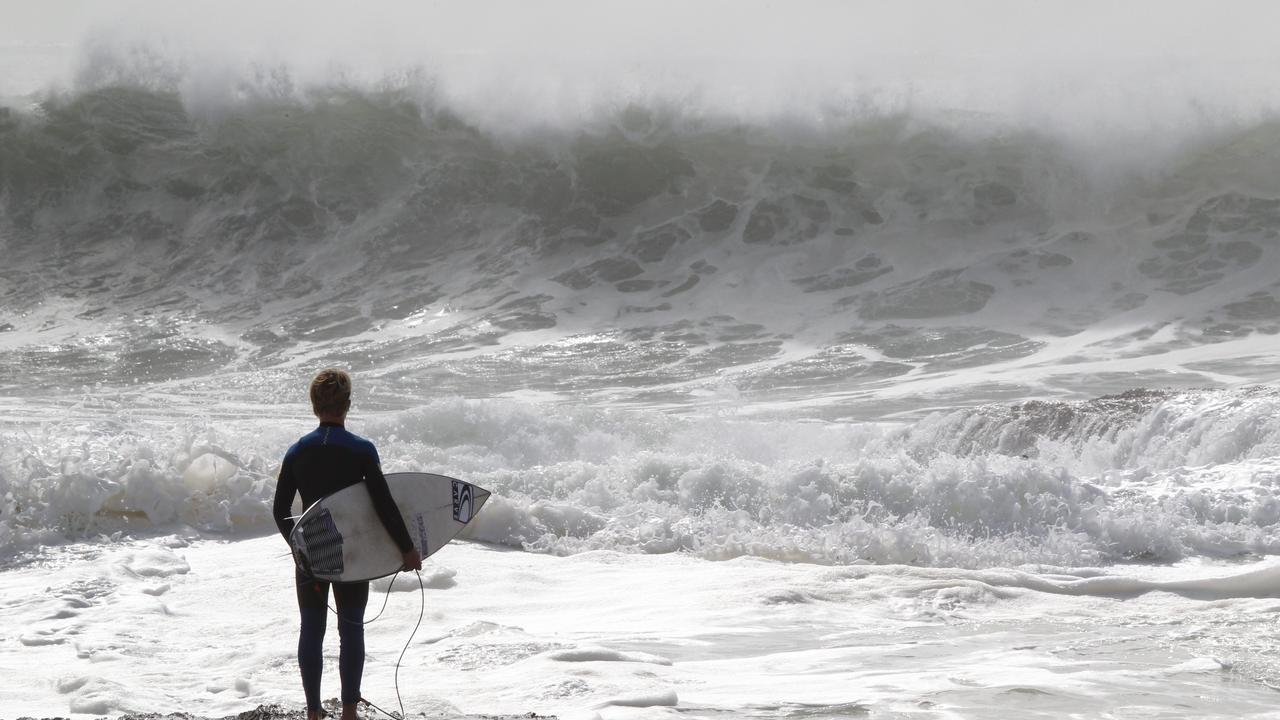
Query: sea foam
[[900, 493]]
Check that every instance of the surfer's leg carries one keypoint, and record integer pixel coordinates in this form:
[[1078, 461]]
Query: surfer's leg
[[351, 599], [313, 607]]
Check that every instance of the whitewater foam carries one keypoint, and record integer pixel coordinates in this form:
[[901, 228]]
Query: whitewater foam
[[1147, 476]]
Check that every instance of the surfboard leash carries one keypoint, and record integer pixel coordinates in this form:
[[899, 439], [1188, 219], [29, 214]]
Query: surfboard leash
[[422, 611], [375, 617]]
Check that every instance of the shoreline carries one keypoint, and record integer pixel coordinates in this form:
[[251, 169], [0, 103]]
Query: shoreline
[[280, 712]]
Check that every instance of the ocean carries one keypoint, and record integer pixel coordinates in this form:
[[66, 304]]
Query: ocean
[[824, 361]]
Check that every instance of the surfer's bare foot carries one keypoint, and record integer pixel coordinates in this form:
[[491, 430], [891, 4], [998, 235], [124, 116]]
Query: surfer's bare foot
[[315, 715], [349, 712]]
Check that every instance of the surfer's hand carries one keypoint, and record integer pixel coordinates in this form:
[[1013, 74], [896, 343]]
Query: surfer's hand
[[412, 560]]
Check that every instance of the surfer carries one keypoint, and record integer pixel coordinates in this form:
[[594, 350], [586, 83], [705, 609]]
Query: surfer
[[321, 463]]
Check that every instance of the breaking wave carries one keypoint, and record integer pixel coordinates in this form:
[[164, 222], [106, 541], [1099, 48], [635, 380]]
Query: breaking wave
[[652, 257], [648, 321], [1149, 476]]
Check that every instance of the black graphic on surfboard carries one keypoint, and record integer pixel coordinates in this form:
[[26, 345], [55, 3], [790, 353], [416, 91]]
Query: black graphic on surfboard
[[463, 504], [320, 544]]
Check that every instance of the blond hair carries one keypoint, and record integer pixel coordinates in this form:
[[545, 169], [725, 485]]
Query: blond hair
[[331, 392]]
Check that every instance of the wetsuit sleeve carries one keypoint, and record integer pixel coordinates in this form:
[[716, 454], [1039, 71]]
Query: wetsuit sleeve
[[384, 505], [282, 506]]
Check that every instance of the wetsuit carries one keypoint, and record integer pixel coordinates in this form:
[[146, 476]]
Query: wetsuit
[[321, 463]]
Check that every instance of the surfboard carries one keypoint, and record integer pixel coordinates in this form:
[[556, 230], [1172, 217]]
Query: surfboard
[[341, 539]]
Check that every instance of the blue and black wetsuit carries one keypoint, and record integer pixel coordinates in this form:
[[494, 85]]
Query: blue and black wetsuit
[[321, 463]]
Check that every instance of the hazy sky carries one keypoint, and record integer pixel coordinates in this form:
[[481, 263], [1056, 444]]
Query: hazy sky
[[1077, 62], [1074, 29]]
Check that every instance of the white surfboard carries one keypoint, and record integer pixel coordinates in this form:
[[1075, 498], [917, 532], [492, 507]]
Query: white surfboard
[[341, 539]]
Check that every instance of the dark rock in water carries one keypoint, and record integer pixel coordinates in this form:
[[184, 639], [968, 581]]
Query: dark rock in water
[[279, 712], [272, 712], [262, 712]]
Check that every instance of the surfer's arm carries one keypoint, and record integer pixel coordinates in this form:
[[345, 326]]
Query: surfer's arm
[[385, 505], [282, 505]]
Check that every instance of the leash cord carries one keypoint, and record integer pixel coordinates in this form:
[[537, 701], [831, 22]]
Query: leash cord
[[422, 611], [384, 603]]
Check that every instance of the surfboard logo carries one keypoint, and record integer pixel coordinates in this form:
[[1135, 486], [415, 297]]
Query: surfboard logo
[[420, 525], [463, 504]]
